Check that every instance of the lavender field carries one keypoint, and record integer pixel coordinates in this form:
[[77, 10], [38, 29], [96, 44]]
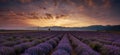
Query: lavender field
[[60, 43]]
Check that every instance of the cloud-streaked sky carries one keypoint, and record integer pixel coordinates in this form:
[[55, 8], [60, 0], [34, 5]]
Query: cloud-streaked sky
[[67, 13]]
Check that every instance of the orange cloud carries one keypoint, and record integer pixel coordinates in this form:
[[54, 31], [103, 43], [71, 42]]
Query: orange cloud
[[90, 3], [11, 13], [81, 8]]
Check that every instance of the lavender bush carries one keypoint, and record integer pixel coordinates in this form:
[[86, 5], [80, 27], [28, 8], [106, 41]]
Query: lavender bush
[[36, 51], [110, 50], [22, 47], [60, 52], [63, 45], [82, 48], [7, 51]]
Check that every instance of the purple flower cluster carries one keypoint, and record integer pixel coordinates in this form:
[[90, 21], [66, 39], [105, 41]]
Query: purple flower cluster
[[116, 42], [9, 43], [110, 50], [52, 42], [81, 48], [36, 51], [42, 48], [60, 52], [64, 47], [7, 51], [22, 47], [59, 43]]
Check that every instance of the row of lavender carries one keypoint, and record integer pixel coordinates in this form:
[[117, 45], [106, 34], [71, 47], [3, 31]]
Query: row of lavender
[[66, 43], [52, 46], [81, 48], [18, 49], [64, 47], [11, 39], [55, 46], [43, 48], [104, 43]]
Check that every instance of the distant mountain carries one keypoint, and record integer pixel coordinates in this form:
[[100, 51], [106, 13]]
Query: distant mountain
[[88, 28], [59, 28], [104, 28]]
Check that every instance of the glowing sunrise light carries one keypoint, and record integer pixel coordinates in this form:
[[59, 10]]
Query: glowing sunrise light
[[57, 22], [65, 13]]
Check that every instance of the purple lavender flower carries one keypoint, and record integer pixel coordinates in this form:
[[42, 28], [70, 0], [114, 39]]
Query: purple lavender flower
[[60, 52], [82, 48], [22, 47], [25, 54], [110, 50], [42, 48], [64, 45], [36, 51], [52, 42], [85, 50], [46, 46], [6, 51], [9, 43]]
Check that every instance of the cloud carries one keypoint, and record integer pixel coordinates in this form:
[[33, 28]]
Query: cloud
[[4, 0], [107, 3], [21, 1], [25, 1], [81, 8], [12, 13], [46, 11], [98, 3]]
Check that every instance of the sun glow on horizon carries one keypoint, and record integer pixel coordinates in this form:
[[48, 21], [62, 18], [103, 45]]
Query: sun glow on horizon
[[65, 13], [63, 22]]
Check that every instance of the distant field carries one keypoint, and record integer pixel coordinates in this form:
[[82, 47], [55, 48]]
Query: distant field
[[20, 31], [59, 43], [16, 31]]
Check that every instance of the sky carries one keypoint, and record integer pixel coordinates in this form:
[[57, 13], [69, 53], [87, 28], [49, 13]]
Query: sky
[[65, 13]]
